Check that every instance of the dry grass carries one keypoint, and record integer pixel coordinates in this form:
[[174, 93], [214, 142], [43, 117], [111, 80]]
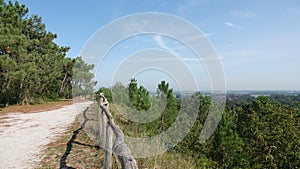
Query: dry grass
[[73, 149]]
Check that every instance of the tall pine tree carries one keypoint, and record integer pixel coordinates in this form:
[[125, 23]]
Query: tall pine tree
[[32, 66]]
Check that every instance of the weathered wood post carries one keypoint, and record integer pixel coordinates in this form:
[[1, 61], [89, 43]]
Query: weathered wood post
[[107, 134], [120, 148], [102, 124], [103, 127], [108, 148]]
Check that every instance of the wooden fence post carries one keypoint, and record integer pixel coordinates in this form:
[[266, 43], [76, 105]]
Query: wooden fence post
[[120, 148], [108, 142], [106, 134], [102, 127], [108, 148]]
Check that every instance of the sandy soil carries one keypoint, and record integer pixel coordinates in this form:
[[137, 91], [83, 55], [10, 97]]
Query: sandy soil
[[24, 136]]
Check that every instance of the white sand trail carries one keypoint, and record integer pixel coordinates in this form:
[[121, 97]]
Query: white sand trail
[[23, 137]]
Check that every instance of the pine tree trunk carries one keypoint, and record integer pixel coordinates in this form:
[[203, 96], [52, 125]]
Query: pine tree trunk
[[62, 86]]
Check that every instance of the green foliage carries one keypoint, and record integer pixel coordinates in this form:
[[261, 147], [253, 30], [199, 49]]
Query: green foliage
[[171, 111], [190, 145], [254, 134], [227, 145], [120, 94], [82, 81], [32, 65], [270, 133], [107, 93], [136, 103], [139, 97], [257, 134]]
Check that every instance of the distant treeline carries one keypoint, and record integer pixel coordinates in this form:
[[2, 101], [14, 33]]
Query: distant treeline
[[33, 68], [282, 98]]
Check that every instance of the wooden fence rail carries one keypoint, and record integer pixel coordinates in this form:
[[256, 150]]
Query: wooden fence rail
[[108, 128]]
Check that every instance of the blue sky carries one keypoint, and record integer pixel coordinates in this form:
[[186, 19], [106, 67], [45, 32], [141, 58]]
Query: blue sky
[[258, 42]]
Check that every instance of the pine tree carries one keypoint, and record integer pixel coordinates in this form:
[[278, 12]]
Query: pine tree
[[82, 81], [171, 110], [32, 65], [139, 96]]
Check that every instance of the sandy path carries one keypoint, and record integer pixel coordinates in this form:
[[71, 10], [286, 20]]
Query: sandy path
[[24, 136]]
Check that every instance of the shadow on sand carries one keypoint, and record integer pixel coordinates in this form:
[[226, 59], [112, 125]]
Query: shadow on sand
[[63, 160]]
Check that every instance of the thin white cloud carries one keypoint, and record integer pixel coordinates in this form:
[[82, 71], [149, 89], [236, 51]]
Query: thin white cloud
[[161, 43], [193, 38], [243, 14], [209, 34], [242, 53], [190, 4], [170, 59], [230, 24]]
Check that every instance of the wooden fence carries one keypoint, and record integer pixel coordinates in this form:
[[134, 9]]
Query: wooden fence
[[108, 130]]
